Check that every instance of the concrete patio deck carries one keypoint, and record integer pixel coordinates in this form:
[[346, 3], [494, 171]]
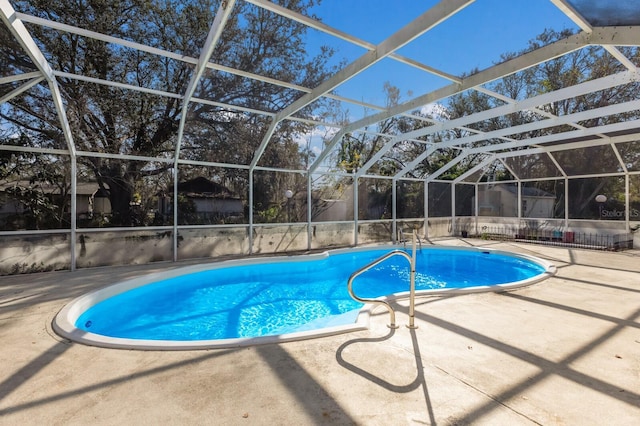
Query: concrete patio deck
[[565, 351]]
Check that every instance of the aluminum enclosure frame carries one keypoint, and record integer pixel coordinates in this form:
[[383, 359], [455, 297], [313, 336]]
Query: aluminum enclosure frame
[[609, 38]]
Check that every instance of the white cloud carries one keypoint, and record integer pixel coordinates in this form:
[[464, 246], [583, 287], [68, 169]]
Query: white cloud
[[436, 111], [315, 137], [301, 140]]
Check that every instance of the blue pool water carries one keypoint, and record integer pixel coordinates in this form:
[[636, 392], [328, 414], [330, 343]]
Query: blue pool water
[[286, 296]]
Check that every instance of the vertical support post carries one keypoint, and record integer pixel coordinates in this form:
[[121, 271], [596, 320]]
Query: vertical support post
[[476, 206], [309, 206], [453, 208], [215, 31], [251, 211], [394, 224], [520, 201], [175, 211], [74, 212], [627, 205], [426, 209], [566, 203], [355, 209], [412, 288]]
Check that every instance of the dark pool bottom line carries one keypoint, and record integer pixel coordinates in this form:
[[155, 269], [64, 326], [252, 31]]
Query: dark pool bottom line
[[347, 319]]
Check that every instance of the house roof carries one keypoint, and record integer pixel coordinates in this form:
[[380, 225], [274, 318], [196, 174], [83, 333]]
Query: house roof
[[202, 187], [82, 188], [528, 191]]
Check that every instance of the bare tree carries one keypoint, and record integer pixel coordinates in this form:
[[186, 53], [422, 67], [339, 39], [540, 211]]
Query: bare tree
[[113, 120]]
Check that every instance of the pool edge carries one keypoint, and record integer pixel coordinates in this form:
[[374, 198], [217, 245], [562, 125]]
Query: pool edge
[[63, 322]]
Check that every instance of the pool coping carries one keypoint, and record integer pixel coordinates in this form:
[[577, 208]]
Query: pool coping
[[63, 322]]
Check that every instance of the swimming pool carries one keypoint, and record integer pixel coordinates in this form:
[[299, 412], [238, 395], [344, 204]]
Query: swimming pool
[[251, 301]]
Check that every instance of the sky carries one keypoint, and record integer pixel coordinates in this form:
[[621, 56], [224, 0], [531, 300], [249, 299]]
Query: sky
[[473, 38]]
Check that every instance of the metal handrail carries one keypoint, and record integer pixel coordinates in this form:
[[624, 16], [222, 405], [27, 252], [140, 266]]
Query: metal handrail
[[392, 314]]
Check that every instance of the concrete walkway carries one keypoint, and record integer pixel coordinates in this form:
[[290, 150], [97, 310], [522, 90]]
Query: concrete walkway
[[562, 352]]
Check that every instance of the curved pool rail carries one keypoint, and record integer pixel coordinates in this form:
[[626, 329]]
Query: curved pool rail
[[377, 301], [64, 322]]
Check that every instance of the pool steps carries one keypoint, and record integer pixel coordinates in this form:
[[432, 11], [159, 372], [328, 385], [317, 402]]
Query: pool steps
[[403, 240]]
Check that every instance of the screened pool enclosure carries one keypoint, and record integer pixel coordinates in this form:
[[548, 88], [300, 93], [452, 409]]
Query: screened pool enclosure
[[136, 131]]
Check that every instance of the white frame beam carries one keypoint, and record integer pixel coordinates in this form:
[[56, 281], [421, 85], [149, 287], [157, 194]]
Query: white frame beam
[[609, 38], [411, 31], [19, 31], [215, 32]]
